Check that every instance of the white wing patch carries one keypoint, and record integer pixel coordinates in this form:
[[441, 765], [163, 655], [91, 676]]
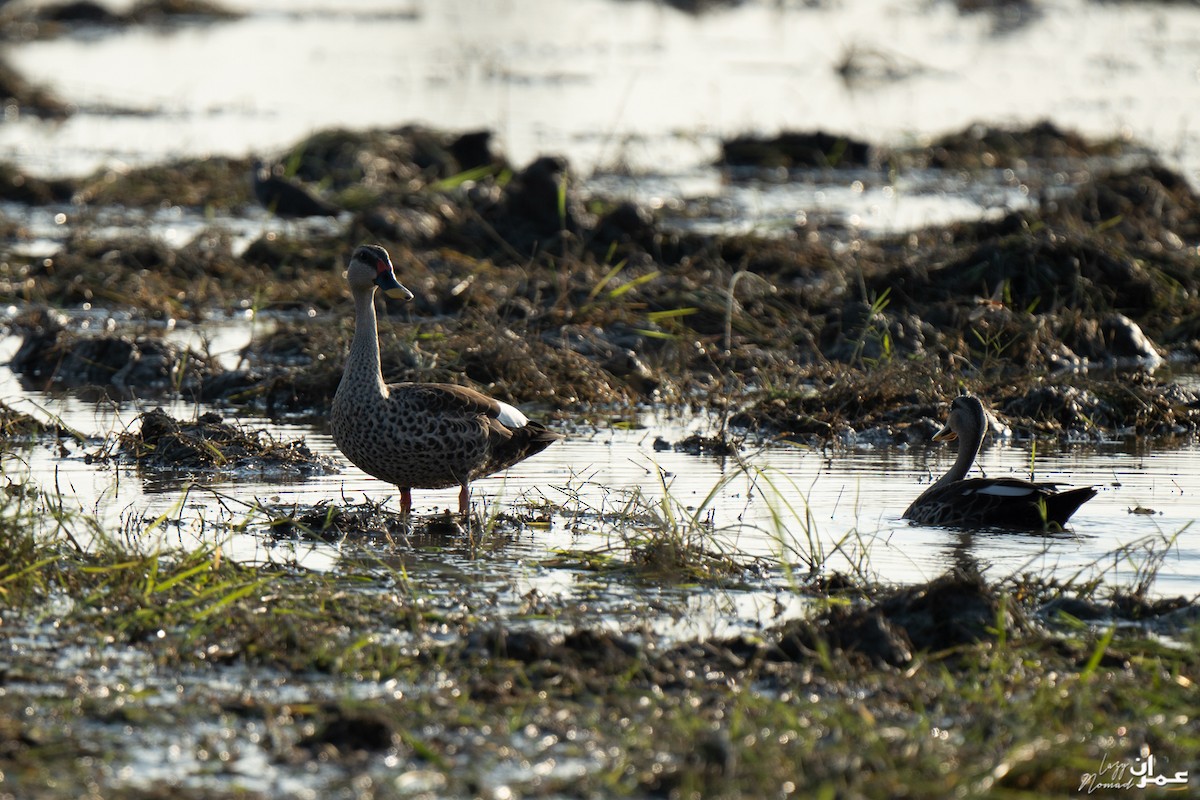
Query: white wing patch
[[511, 417], [1000, 490]]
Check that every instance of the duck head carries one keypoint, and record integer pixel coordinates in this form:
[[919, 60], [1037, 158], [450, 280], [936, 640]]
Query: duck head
[[371, 266], [967, 420]]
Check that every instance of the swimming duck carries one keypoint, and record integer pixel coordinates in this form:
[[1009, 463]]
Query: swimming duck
[[958, 501], [418, 435]]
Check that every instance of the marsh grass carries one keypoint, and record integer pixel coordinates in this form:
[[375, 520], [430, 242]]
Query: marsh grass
[[192, 604], [799, 542], [388, 666], [657, 537], [998, 706]]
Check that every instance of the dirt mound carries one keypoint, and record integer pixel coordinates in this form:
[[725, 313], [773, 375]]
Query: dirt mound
[[986, 147], [207, 444], [948, 612], [795, 150], [125, 366]]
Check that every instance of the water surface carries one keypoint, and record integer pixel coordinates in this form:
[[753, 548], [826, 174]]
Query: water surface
[[829, 508]]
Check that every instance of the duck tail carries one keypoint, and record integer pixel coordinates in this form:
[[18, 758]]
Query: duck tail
[[518, 445], [538, 438], [1061, 506]]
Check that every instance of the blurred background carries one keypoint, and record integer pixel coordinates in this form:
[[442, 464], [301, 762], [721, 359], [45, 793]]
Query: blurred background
[[638, 95]]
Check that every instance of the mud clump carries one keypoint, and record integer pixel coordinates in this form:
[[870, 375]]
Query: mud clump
[[121, 365], [143, 12], [216, 183], [18, 187], [584, 649], [350, 731], [1150, 206], [954, 610], [1047, 269], [158, 12], [795, 150], [207, 445], [1139, 404], [985, 147], [393, 161], [536, 212], [853, 633], [327, 522], [14, 424], [699, 445]]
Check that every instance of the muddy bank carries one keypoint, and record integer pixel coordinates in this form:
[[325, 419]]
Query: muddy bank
[[117, 365], [539, 294], [23, 21], [413, 683]]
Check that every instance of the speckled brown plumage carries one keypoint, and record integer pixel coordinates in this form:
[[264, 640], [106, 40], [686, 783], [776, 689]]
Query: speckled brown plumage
[[961, 502], [423, 436]]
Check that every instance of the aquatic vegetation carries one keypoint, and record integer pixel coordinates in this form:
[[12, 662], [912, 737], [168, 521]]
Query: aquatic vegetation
[[922, 689], [662, 539], [795, 533]]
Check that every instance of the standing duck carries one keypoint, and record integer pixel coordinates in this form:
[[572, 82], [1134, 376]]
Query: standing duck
[[418, 435], [958, 501]]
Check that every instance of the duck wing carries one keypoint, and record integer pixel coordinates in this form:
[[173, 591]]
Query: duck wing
[[510, 435], [448, 398], [998, 502]]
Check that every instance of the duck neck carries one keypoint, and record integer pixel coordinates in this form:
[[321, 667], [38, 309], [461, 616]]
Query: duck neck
[[968, 449], [363, 370]]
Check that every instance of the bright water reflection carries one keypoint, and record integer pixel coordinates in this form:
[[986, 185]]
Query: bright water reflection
[[622, 88], [636, 84]]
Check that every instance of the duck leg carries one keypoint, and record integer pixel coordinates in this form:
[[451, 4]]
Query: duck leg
[[405, 501], [464, 501]]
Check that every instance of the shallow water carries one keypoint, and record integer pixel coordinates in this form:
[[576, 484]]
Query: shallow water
[[834, 508]]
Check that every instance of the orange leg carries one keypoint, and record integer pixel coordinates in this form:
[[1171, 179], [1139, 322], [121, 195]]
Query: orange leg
[[464, 501], [405, 501]]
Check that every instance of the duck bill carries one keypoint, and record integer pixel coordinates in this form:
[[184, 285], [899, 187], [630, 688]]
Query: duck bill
[[945, 435], [392, 287]]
